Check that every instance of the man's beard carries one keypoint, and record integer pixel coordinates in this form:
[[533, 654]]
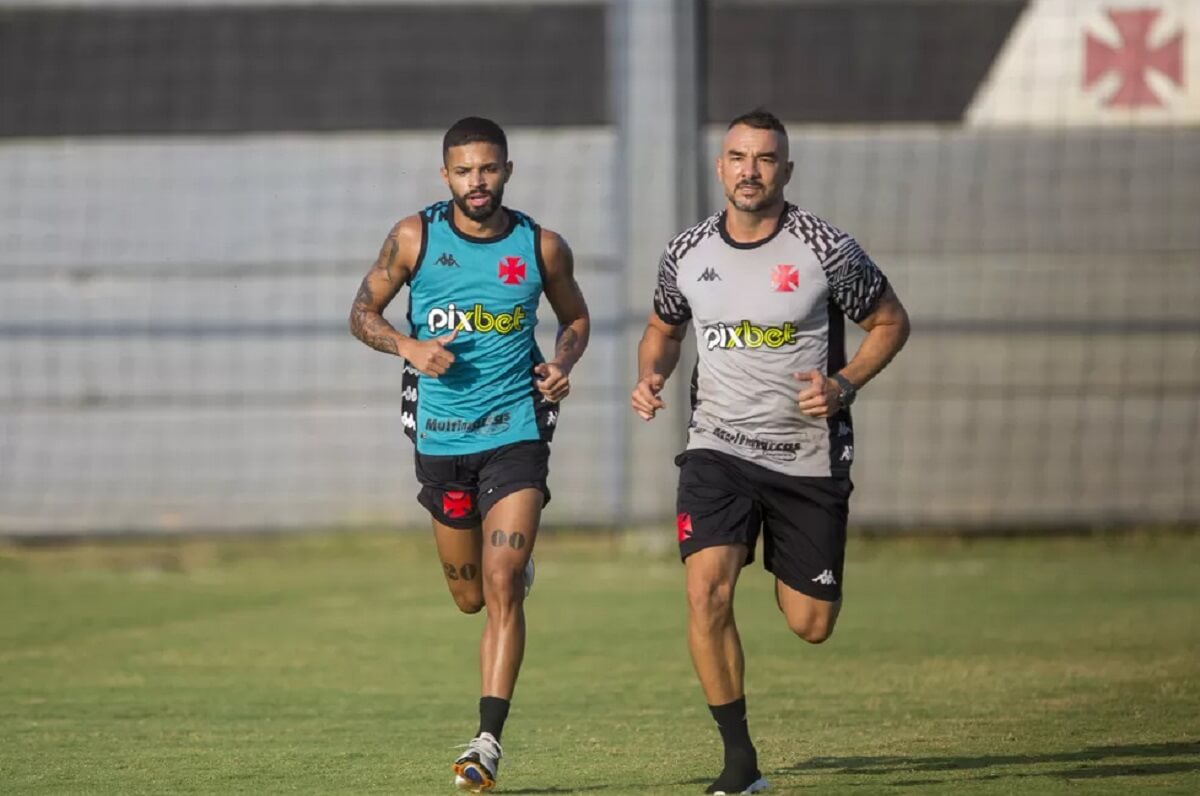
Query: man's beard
[[480, 213], [751, 204]]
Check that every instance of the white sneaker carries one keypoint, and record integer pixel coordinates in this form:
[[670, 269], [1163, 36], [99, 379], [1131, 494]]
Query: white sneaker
[[476, 769], [528, 575], [756, 786]]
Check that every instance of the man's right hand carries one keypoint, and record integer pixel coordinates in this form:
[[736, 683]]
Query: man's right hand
[[431, 356], [645, 398]]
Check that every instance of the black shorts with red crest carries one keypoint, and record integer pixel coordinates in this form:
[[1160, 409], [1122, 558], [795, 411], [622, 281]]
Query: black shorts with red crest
[[460, 490]]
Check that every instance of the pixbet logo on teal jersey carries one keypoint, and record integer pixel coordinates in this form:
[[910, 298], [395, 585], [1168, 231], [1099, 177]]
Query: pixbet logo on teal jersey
[[475, 319]]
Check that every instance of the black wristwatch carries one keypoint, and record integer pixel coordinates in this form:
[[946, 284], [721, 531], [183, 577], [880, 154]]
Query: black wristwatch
[[849, 391]]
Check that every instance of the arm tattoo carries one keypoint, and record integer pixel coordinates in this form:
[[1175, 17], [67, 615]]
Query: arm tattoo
[[388, 255], [367, 323], [568, 341]]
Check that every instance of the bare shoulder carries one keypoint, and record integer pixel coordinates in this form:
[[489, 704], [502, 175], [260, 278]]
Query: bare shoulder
[[408, 233], [399, 252], [556, 252]]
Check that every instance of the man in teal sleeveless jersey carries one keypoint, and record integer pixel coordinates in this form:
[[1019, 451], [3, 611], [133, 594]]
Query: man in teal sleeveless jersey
[[479, 400]]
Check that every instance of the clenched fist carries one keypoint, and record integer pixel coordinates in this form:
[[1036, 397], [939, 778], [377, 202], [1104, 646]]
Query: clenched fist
[[431, 356], [555, 383], [645, 398]]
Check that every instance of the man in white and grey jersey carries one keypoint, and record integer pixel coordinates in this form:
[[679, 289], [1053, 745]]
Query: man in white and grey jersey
[[770, 441]]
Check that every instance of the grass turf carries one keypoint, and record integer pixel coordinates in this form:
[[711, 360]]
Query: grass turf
[[337, 664]]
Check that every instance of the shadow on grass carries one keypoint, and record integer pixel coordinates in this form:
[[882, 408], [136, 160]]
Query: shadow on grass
[[1093, 754], [579, 789]]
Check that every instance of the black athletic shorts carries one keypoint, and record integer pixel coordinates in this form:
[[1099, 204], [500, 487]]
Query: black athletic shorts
[[723, 500], [459, 490]]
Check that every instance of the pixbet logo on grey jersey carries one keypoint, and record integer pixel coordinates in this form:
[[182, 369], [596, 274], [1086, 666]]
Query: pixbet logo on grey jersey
[[748, 335]]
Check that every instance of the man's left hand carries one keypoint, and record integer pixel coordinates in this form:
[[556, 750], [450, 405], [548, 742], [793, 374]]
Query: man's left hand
[[821, 398], [555, 383]]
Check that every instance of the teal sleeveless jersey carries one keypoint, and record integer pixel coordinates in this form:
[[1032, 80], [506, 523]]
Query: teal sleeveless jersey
[[488, 289]]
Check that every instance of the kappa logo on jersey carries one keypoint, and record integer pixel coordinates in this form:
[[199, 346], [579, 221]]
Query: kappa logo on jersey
[[709, 275], [476, 319], [512, 270], [785, 278], [683, 526], [748, 335], [456, 505], [447, 259]]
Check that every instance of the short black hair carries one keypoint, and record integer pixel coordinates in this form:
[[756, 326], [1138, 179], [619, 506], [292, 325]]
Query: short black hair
[[759, 119], [472, 130]]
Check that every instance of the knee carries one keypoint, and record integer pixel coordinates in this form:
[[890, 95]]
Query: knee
[[813, 627], [504, 585], [469, 603], [710, 600]]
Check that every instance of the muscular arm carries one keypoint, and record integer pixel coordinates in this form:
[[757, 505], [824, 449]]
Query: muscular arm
[[391, 271], [658, 354], [658, 351], [566, 299], [887, 329]]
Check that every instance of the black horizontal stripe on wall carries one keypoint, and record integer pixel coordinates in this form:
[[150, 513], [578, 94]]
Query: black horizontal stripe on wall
[[109, 71], [844, 61]]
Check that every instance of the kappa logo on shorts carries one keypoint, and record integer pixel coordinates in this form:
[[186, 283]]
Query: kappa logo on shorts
[[683, 526], [456, 505], [826, 578]]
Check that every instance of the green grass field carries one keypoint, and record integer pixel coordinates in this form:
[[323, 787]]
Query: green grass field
[[337, 664]]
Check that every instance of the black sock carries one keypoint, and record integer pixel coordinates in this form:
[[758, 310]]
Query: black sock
[[735, 732], [493, 711], [741, 759]]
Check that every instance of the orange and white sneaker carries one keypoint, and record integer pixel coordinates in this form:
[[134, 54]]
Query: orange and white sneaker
[[475, 770]]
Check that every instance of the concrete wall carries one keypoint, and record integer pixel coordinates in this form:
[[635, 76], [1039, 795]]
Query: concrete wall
[[173, 351]]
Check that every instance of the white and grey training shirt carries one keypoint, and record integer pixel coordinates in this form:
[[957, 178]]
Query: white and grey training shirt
[[762, 312]]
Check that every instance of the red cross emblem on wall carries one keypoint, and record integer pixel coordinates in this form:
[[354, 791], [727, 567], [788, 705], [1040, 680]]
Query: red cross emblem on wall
[[1133, 58]]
